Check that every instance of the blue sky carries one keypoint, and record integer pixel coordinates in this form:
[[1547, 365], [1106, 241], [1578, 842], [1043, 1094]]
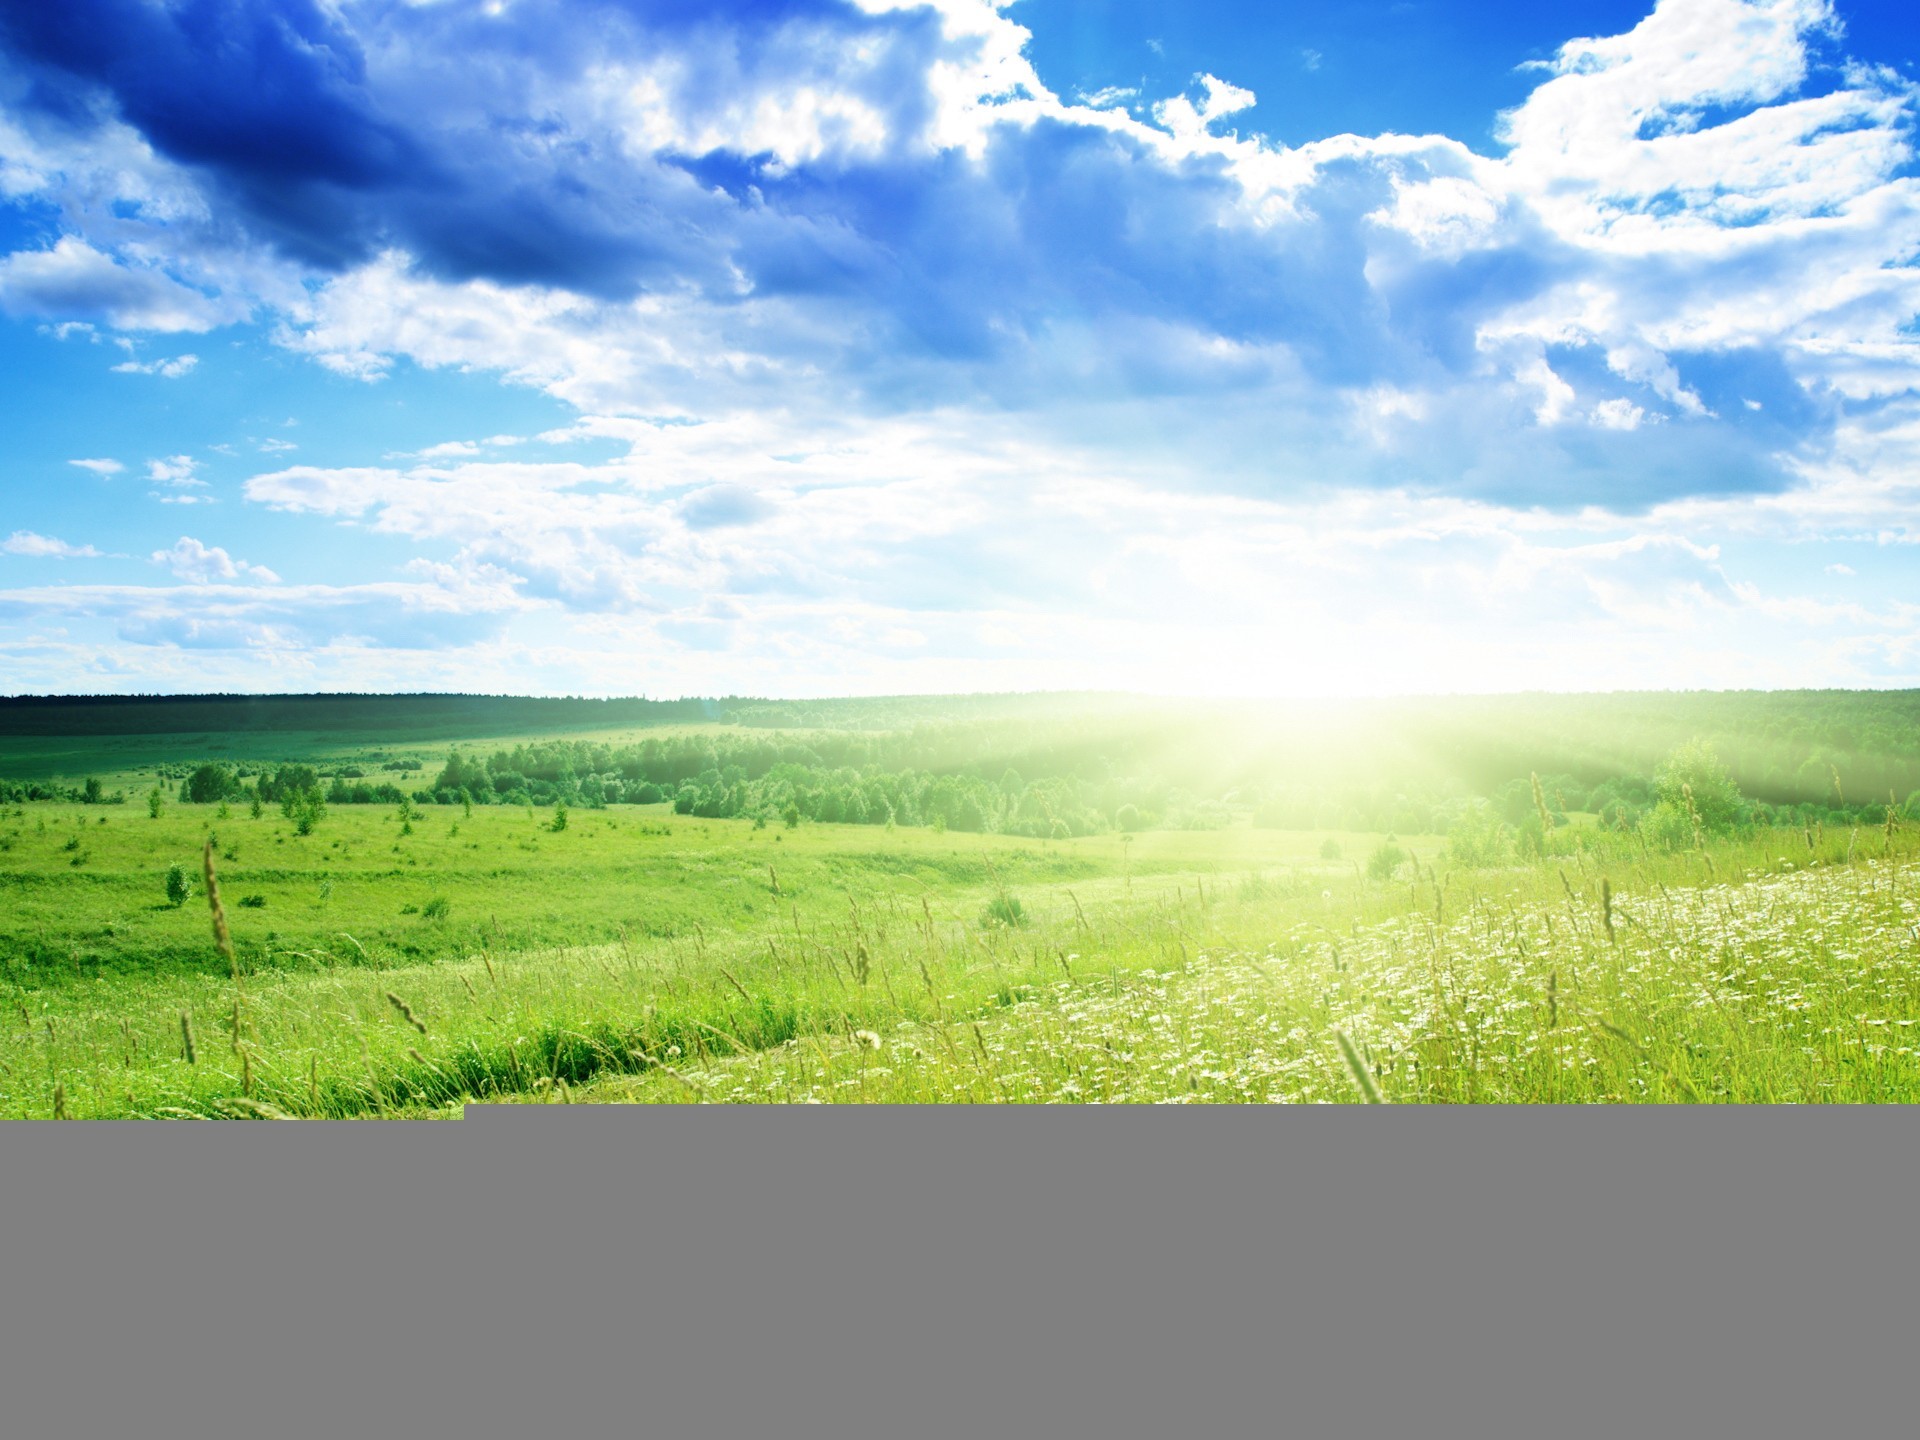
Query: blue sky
[[843, 346]]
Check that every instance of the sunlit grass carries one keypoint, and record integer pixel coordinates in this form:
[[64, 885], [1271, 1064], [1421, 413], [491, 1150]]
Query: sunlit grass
[[1736, 973]]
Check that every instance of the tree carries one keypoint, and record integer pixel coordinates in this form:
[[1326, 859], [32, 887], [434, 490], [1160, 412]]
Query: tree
[[289, 780], [1385, 860], [210, 783], [1694, 781], [1479, 838], [156, 802], [305, 809], [179, 885], [1127, 818]]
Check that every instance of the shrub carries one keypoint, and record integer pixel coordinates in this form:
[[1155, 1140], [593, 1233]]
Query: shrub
[[1668, 827], [305, 809], [1694, 781], [437, 908], [1127, 819], [1385, 860], [1004, 910], [1479, 838], [179, 885], [1330, 849], [210, 783], [253, 902]]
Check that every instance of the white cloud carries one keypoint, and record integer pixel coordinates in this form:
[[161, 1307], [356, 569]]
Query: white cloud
[[191, 560], [1618, 414], [1161, 373], [175, 470], [172, 369], [793, 574], [73, 277], [102, 468], [25, 542]]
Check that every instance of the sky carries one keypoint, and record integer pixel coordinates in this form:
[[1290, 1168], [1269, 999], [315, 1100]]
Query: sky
[[821, 347]]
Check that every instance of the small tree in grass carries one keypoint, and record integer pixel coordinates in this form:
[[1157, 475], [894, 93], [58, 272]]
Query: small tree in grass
[[559, 816], [1004, 911], [1385, 860], [305, 809], [156, 802], [179, 885]]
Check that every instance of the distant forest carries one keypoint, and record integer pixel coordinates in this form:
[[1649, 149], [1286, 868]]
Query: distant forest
[[395, 717], [1059, 765]]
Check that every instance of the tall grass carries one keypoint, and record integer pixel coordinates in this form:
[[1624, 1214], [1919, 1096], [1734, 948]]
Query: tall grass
[[1734, 973]]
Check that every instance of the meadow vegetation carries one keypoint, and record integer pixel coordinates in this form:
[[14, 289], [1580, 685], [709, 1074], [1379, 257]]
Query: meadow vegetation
[[1116, 913]]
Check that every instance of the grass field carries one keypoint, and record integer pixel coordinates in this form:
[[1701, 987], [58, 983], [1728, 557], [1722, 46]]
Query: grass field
[[642, 955]]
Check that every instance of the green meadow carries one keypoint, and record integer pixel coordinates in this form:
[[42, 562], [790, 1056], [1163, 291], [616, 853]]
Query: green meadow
[[1008, 920]]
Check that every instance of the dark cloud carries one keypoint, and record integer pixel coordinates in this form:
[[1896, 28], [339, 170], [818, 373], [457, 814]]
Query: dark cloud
[[776, 180]]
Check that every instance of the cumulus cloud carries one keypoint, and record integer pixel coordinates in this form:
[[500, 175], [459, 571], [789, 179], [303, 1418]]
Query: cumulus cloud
[[191, 560], [73, 278], [1086, 362], [174, 470], [25, 542], [706, 209], [823, 563], [102, 468], [172, 369], [298, 627]]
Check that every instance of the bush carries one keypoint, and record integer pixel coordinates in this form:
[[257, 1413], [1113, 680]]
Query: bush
[[1479, 838], [1694, 781], [1384, 861], [253, 902], [1330, 849], [437, 908], [210, 783], [1127, 819], [1004, 910], [179, 885], [304, 808], [1668, 827]]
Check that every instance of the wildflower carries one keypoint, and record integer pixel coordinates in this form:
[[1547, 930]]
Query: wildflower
[[867, 1038]]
